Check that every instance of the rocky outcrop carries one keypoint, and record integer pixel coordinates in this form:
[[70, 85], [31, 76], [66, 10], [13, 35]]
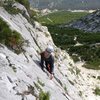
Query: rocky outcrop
[[89, 23]]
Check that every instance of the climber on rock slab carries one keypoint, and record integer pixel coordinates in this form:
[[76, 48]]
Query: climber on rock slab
[[47, 60]]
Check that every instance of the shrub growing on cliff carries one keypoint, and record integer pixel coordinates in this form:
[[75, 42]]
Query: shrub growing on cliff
[[8, 5], [12, 39], [12, 10], [44, 96], [97, 91]]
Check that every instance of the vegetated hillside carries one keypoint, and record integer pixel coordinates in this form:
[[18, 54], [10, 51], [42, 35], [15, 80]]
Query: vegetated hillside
[[65, 4], [60, 17], [81, 45], [21, 78]]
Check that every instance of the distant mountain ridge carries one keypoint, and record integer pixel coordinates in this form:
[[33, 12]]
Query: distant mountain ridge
[[66, 4]]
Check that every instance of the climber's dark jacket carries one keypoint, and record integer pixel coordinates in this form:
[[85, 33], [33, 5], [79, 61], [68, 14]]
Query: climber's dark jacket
[[49, 63]]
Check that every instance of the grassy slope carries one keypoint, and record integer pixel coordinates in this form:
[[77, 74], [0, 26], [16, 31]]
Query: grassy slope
[[61, 17]]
